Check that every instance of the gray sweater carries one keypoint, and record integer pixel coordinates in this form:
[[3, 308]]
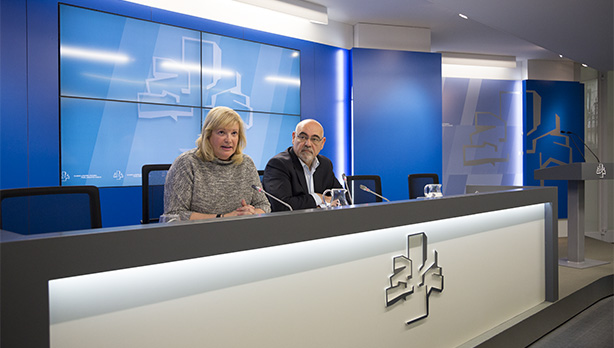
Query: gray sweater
[[217, 187]]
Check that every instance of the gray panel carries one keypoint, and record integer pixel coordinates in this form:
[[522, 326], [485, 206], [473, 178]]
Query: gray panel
[[576, 171]]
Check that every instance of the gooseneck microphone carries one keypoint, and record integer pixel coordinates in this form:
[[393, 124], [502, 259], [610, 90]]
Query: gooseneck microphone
[[577, 136], [366, 189], [574, 144], [345, 183], [259, 189]]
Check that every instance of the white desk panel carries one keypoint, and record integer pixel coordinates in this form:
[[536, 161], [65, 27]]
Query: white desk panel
[[323, 293]]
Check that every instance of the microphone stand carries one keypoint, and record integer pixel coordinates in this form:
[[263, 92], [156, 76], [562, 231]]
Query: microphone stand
[[589, 149], [574, 143], [345, 183], [366, 189], [259, 189]]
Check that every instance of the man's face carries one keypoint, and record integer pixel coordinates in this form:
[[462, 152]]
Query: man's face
[[307, 141]]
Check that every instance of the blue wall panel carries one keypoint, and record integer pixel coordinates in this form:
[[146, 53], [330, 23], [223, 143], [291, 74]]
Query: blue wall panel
[[549, 107], [397, 115], [43, 102], [121, 206], [13, 95]]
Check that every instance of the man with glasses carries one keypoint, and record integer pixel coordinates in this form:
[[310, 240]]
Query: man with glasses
[[299, 175]]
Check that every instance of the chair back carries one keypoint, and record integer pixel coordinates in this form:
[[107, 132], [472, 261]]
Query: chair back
[[261, 175], [373, 182], [416, 183], [153, 177], [35, 210]]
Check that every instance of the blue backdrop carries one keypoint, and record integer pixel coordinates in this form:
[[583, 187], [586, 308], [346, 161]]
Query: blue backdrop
[[549, 107], [30, 124], [396, 118], [397, 104]]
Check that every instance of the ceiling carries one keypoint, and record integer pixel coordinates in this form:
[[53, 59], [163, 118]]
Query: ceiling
[[580, 30]]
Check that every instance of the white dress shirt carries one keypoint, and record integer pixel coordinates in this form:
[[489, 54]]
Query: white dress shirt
[[309, 178]]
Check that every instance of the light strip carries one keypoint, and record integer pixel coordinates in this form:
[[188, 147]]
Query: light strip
[[183, 66], [95, 55], [222, 72], [308, 10], [341, 78], [284, 80], [196, 68]]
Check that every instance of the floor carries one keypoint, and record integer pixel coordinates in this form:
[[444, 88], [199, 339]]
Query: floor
[[573, 279], [594, 327], [591, 328]]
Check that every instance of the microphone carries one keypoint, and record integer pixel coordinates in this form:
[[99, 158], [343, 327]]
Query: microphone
[[259, 189], [345, 183], [366, 189], [577, 136]]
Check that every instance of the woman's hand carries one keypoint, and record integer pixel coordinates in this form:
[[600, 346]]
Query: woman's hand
[[245, 209]]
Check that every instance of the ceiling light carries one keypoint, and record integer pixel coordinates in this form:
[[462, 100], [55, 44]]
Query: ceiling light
[[304, 9], [463, 16]]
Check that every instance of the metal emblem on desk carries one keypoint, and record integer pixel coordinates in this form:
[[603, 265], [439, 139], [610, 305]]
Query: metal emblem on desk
[[601, 170], [415, 274]]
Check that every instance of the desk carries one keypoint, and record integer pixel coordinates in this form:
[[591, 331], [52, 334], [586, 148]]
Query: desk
[[305, 278]]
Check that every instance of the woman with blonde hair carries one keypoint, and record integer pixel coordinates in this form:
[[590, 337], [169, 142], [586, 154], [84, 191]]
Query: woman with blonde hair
[[215, 179]]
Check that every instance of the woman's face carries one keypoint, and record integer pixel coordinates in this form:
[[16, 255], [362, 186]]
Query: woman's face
[[224, 141]]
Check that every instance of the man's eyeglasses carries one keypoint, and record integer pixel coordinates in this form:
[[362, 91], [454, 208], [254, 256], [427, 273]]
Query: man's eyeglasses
[[303, 138]]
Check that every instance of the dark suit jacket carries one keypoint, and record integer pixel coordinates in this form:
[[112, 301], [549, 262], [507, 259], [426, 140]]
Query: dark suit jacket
[[284, 178]]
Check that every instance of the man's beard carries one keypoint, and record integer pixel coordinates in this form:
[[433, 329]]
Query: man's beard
[[306, 156]]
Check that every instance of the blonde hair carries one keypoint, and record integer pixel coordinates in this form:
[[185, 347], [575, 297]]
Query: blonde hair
[[220, 117]]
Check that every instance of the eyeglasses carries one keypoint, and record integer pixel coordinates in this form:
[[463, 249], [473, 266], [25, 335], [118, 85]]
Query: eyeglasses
[[303, 138]]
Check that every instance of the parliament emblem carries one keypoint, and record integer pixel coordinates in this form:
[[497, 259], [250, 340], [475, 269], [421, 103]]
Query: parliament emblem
[[118, 175], [601, 170], [414, 278]]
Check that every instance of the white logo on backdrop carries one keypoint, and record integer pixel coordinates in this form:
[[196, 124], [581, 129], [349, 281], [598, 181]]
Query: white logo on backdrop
[[118, 175]]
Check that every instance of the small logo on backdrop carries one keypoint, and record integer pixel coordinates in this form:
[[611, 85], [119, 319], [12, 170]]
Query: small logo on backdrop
[[65, 176], [414, 277], [601, 170], [118, 175]]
